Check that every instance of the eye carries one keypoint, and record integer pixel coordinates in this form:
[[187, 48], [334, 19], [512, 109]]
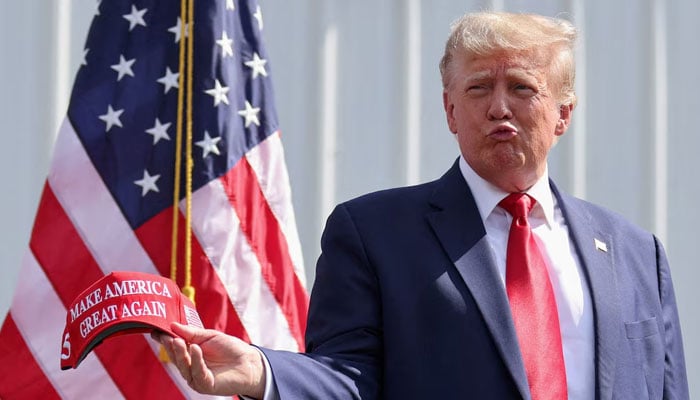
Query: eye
[[476, 90], [524, 89]]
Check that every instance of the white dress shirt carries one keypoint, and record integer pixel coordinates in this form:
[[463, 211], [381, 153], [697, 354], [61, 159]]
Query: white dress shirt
[[568, 280]]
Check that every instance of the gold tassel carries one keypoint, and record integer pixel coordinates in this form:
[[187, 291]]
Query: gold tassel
[[163, 355]]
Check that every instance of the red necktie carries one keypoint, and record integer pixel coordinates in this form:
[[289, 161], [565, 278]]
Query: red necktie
[[533, 305]]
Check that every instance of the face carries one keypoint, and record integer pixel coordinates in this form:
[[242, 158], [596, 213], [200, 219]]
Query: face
[[505, 117]]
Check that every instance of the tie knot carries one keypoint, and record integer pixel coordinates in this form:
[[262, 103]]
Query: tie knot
[[518, 204]]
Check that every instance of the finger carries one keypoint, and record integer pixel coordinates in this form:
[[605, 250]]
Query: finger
[[201, 376], [190, 333], [180, 356]]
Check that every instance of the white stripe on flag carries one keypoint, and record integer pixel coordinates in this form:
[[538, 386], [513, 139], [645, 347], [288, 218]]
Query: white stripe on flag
[[238, 268], [91, 208], [267, 160], [41, 317]]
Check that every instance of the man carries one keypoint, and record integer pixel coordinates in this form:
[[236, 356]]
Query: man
[[435, 291]]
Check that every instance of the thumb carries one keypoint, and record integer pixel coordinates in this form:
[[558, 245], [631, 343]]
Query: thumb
[[191, 334]]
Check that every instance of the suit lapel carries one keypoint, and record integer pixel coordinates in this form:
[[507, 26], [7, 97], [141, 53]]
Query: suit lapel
[[459, 228], [595, 250]]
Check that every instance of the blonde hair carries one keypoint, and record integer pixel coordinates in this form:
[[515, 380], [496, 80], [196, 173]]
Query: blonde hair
[[550, 40]]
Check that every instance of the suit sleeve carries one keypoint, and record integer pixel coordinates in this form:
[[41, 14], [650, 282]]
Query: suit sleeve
[[675, 378], [344, 335]]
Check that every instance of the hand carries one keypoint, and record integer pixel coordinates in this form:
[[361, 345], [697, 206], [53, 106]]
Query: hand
[[214, 363]]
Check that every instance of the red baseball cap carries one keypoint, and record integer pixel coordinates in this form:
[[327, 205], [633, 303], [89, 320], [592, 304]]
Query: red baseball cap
[[122, 303]]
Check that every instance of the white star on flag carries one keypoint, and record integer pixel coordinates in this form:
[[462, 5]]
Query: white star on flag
[[169, 80], [176, 30], [208, 145], [111, 118], [136, 17], [147, 183], [124, 67], [218, 93], [258, 65], [258, 17], [225, 42], [230, 5], [250, 114], [159, 131]]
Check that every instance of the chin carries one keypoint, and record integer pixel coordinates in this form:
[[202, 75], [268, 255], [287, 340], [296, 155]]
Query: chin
[[508, 160]]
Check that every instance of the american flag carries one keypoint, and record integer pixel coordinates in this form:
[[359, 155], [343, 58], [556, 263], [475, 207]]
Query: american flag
[[107, 203]]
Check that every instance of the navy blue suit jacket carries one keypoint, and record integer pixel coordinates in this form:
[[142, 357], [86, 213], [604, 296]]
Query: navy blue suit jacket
[[407, 304]]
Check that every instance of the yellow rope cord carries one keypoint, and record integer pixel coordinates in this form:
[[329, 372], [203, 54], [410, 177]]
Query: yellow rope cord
[[188, 289], [178, 143], [178, 158]]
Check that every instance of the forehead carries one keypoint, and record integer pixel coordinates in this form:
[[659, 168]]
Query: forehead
[[519, 64]]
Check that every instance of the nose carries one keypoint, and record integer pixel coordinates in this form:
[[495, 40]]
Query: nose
[[499, 107]]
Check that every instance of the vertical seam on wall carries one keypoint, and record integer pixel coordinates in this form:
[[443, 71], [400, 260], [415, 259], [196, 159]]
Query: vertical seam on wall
[[329, 114], [413, 84], [660, 134], [579, 122], [61, 54]]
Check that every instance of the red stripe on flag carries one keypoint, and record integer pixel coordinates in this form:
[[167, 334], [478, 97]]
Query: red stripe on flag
[[68, 264], [22, 378], [263, 232], [212, 301]]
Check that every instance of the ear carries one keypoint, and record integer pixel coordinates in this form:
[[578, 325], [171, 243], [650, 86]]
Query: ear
[[449, 111], [564, 121]]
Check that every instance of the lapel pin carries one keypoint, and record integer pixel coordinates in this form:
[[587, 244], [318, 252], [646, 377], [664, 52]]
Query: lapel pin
[[600, 245]]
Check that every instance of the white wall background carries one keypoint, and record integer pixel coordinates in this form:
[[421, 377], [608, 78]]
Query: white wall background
[[359, 98]]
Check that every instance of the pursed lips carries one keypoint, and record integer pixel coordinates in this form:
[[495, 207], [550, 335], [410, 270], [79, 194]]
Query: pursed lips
[[503, 132]]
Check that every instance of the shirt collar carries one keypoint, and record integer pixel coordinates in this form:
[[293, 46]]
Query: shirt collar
[[487, 196]]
